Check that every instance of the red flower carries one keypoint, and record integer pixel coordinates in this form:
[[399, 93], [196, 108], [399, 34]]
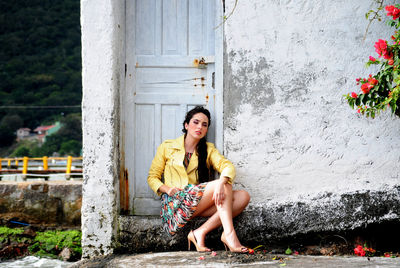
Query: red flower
[[372, 81], [388, 255], [381, 48], [358, 79], [201, 258], [393, 11], [390, 62], [388, 55], [251, 251], [354, 95], [372, 58], [366, 88], [359, 251]]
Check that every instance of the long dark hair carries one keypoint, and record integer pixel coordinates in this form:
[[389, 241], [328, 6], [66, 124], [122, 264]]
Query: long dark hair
[[203, 172]]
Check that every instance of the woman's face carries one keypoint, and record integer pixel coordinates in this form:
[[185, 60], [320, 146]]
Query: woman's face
[[198, 126]]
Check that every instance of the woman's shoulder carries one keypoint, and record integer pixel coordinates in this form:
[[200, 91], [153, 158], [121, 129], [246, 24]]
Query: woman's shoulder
[[210, 146], [174, 143]]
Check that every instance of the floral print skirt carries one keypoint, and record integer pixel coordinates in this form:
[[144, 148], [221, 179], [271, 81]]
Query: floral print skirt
[[176, 210]]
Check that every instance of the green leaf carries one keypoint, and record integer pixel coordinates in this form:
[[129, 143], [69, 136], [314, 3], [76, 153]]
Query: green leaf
[[288, 251], [358, 100]]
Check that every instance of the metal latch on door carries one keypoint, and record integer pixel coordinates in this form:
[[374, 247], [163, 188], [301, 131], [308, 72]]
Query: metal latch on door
[[202, 62]]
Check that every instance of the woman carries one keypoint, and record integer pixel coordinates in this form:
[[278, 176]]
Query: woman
[[189, 189]]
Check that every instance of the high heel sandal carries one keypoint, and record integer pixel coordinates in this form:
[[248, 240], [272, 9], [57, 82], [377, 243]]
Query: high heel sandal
[[192, 239], [241, 249]]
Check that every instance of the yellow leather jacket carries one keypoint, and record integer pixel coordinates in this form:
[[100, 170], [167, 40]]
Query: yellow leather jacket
[[169, 161]]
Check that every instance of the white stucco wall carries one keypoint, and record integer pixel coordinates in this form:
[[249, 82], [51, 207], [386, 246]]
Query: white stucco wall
[[287, 127], [102, 73]]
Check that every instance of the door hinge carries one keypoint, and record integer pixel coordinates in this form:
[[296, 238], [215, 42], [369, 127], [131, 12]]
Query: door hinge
[[213, 80], [126, 68]]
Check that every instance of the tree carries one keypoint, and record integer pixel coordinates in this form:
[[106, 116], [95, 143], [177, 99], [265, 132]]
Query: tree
[[8, 126]]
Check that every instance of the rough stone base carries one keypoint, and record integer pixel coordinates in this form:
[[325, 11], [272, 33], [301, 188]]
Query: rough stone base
[[55, 203], [273, 223]]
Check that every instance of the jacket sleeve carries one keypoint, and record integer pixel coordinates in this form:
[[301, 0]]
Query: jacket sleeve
[[157, 169], [221, 164]]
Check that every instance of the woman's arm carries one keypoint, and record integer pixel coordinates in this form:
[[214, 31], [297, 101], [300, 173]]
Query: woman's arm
[[225, 168], [221, 164], [157, 169], [219, 191]]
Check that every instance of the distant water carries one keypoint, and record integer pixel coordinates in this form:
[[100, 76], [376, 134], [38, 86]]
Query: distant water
[[32, 261]]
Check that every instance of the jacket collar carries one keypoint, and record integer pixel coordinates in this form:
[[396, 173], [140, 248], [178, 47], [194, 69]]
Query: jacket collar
[[179, 143]]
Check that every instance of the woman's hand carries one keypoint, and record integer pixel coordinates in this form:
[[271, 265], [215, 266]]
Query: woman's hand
[[169, 190], [219, 192], [172, 191]]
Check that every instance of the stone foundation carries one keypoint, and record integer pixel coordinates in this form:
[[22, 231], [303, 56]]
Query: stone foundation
[[346, 214], [50, 204]]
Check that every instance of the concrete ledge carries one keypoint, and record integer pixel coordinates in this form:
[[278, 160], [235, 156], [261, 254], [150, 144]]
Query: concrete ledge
[[271, 222], [48, 203], [222, 259]]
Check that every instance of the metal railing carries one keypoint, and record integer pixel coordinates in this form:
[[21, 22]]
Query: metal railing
[[41, 167]]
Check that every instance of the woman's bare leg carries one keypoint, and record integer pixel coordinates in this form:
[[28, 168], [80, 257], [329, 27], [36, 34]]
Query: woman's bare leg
[[234, 203]]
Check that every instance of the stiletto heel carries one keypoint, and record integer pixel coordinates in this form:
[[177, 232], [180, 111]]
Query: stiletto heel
[[192, 239], [241, 249]]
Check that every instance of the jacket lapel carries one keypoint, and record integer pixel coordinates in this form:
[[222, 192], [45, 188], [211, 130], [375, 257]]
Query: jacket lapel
[[179, 155], [193, 163]]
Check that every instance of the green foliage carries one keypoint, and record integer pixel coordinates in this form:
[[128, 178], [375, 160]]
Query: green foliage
[[50, 243], [9, 233], [8, 126], [71, 147], [288, 251], [21, 151], [382, 90], [40, 61]]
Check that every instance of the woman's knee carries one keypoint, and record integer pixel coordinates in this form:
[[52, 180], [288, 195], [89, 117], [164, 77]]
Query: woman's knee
[[244, 197]]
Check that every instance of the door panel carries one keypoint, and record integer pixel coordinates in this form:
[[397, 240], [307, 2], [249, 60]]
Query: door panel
[[165, 41]]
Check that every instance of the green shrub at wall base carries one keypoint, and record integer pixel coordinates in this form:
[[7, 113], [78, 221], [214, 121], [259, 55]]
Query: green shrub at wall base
[[45, 244]]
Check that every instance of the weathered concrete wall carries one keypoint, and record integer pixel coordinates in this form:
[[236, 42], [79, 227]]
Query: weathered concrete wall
[[51, 204], [102, 76], [291, 135], [310, 163]]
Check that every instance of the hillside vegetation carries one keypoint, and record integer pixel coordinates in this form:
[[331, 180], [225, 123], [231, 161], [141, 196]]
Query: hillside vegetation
[[40, 64]]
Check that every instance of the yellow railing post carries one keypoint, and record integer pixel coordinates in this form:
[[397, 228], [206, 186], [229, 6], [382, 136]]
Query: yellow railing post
[[9, 164], [1, 163], [16, 162], [69, 164], [45, 163], [25, 167]]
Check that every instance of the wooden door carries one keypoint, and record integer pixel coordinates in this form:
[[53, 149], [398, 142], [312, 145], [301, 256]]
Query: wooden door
[[170, 49]]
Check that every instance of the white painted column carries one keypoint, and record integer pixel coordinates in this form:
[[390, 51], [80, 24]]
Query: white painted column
[[103, 29]]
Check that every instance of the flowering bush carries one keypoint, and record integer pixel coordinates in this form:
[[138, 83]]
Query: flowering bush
[[364, 251], [380, 91]]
